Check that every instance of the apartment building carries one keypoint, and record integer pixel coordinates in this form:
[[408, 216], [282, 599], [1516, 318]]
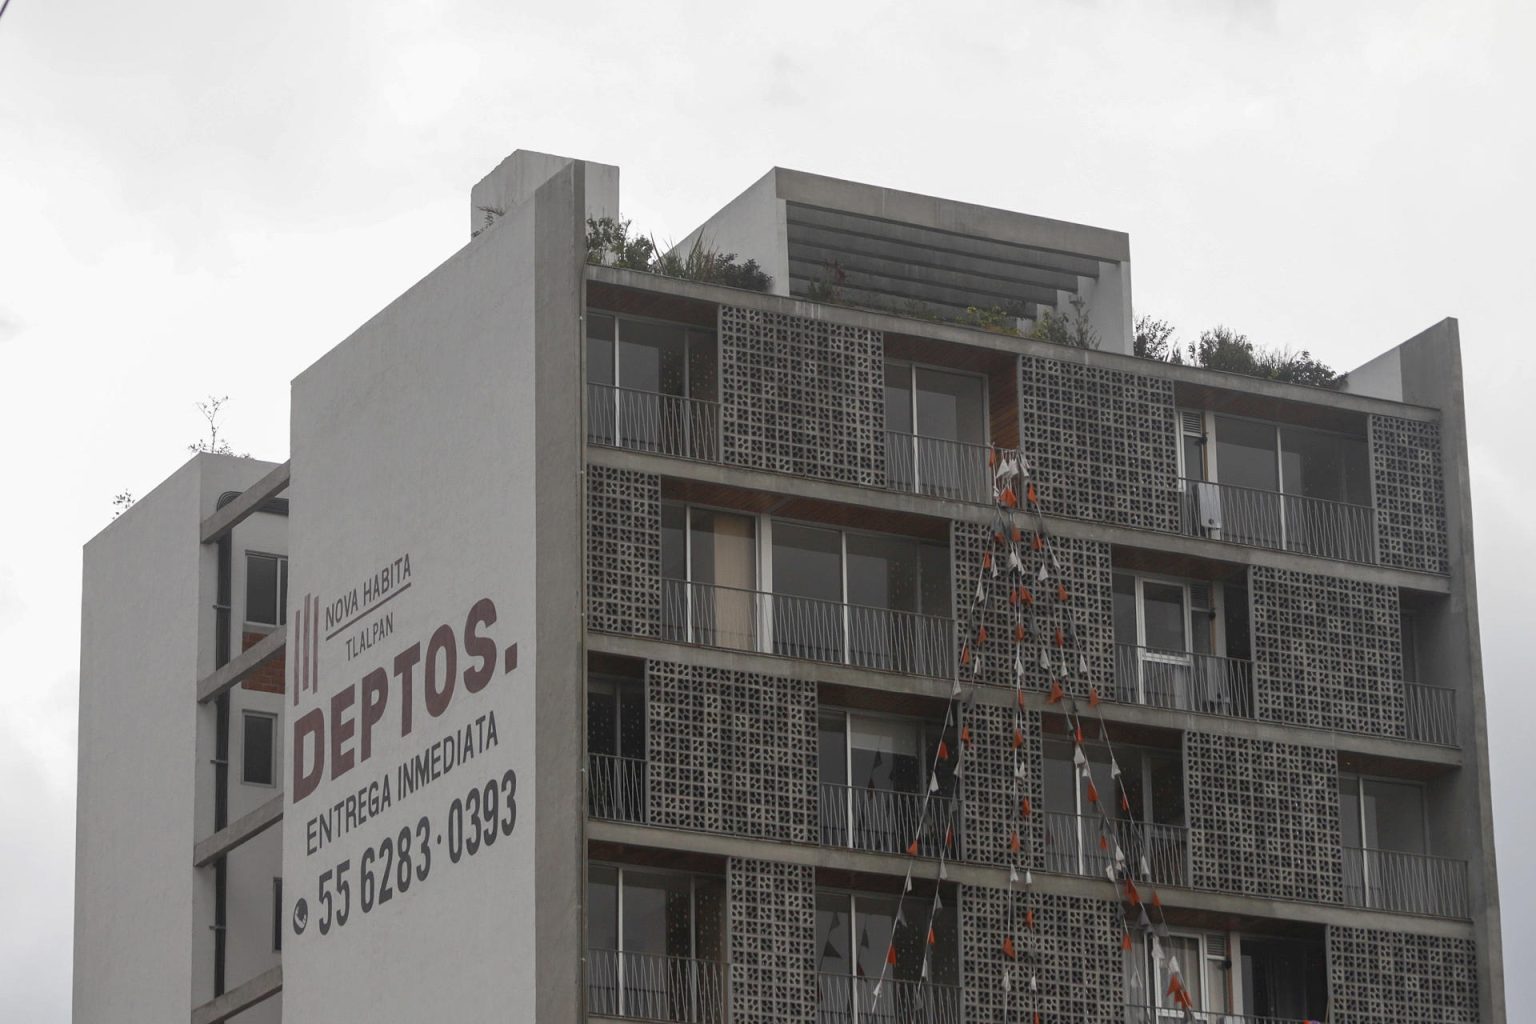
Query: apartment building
[[619, 646]]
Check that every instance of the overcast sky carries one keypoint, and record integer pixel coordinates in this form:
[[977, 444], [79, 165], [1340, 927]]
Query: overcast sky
[[204, 197]]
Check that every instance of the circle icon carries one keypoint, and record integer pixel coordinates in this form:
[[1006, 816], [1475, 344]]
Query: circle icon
[[300, 916]]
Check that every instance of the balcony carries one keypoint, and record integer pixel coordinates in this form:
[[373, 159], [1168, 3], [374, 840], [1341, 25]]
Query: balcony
[[1183, 681], [1171, 1015], [1431, 713], [659, 988], [616, 789], [1072, 847], [841, 999], [800, 627], [937, 467], [1409, 883], [883, 821], [1284, 522], [645, 421]]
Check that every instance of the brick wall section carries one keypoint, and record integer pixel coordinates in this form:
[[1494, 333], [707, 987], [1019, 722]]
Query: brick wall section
[[773, 942], [268, 678], [1264, 817], [802, 396], [1327, 652], [731, 752], [1409, 481], [1103, 442], [1073, 951], [623, 551], [1382, 977], [1085, 569], [989, 812]]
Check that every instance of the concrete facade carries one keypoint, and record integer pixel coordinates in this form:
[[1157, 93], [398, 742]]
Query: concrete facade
[[749, 669]]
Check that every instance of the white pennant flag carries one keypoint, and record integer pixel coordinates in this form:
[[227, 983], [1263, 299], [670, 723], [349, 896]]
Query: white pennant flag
[[1173, 965], [1014, 564], [1007, 982], [1045, 660], [1082, 665], [1018, 664], [1029, 879], [925, 967], [981, 593], [1034, 983], [1157, 949], [878, 985], [1078, 757], [1114, 767], [1146, 869], [955, 690], [943, 872], [1018, 769], [1013, 874], [1042, 575], [901, 914], [933, 784], [907, 885]]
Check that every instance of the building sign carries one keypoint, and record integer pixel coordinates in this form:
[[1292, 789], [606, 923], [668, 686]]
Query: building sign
[[410, 758]]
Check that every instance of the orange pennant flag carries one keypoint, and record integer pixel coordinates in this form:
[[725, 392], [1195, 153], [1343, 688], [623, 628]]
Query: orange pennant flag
[[1131, 895], [1028, 597], [1009, 499], [1093, 696], [986, 559], [965, 735], [932, 938], [1061, 638], [1056, 692], [1013, 842], [949, 836], [1018, 534], [1024, 807], [1157, 900], [1125, 941], [1103, 842], [1077, 732], [912, 848], [1029, 918], [1018, 738], [1018, 632], [1030, 493], [1125, 803], [890, 955], [1093, 793], [943, 751], [1008, 947], [1039, 542], [1061, 593], [1013, 596], [965, 654], [981, 635]]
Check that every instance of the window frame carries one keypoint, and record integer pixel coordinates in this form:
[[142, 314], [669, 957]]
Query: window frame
[[280, 590], [246, 715]]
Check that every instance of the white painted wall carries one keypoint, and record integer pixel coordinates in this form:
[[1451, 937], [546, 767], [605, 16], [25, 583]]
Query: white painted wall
[[415, 437], [516, 178], [753, 227], [142, 948]]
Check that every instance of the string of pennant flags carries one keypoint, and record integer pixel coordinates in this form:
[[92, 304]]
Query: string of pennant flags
[[1019, 560]]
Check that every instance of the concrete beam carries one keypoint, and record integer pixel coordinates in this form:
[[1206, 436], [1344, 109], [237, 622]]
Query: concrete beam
[[242, 665], [227, 518], [943, 508], [977, 338], [895, 866], [240, 831], [240, 998], [1348, 743]]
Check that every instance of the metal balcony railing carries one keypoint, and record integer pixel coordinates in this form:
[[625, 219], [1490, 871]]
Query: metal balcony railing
[[1173, 1015], [1072, 846], [841, 999], [649, 987], [1431, 713], [802, 627], [646, 421], [884, 821], [616, 788], [1270, 519], [1183, 681], [1411, 883], [938, 467]]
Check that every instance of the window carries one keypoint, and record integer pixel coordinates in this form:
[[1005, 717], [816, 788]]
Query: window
[[854, 932], [266, 589], [709, 577], [1174, 640], [646, 382], [258, 749], [936, 422], [653, 939], [1409, 621], [1381, 814], [1150, 824], [277, 915], [616, 784], [874, 782]]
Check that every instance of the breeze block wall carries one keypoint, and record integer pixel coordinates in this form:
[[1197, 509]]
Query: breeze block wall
[[1103, 443], [731, 752], [773, 941], [1263, 817], [802, 396], [1073, 952], [1087, 616], [1409, 481], [1327, 652], [990, 811], [1382, 977], [623, 551]]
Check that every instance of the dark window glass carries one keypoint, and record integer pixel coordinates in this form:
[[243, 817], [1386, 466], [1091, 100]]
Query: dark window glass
[[674, 542], [1125, 608], [1234, 602], [807, 562], [1245, 454], [898, 398], [883, 572], [833, 949], [950, 406], [261, 589], [599, 349], [832, 748], [602, 907], [652, 357], [1315, 464], [703, 366], [1167, 771], [933, 559], [277, 915], [1410, 628], [257, 750]]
